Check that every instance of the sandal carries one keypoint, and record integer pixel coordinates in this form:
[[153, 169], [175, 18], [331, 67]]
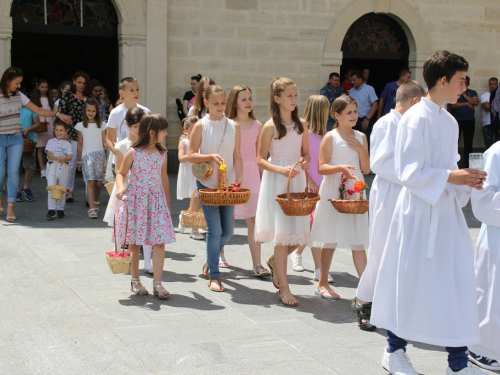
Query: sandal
[[137, 287], [96, 206], [260, 271], [328, 294], [222, 261], [219, 283], [10, 218], [92, 213], [271, 263], [363, 314], [287, 297], [205, 270], [159, 291]]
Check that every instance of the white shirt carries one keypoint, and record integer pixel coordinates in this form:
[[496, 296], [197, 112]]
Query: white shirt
[[486, 119], [117, 120], [123, 146], [59, 147], [92, 137]]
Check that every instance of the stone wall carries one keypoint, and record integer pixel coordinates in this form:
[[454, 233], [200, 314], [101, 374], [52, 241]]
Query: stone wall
[[253, 41]]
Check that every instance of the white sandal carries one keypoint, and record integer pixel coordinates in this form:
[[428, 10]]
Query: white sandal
[[92, 213]]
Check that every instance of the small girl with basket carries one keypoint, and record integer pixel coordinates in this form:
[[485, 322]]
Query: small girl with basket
[[215, 141], [343, 157], [146, 217], [59, 153], [91, 156], [186, 182], [284, 136]]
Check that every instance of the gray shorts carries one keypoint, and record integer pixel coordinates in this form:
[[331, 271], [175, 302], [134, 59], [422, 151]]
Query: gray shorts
[[29, 161]]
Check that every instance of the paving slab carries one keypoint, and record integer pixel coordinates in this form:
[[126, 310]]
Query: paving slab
[[64, 312]]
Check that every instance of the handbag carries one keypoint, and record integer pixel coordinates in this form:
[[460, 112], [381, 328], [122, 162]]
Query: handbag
[[29, 146], [204, 169], [42, 128]]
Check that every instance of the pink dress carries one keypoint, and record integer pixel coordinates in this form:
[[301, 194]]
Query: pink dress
[[149, 221], [251, 174]]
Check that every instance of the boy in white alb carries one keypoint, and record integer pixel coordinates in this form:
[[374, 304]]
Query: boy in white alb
[[59, 153], [383, 195], [425, 289], [486, 208]]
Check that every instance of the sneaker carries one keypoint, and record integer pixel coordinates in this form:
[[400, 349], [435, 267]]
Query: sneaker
[[51, 214], [317, 273], [60, 214], [42, 173], [148, 270], [197, 236], [469, 370], [180, 228], [297, 262], [484, 362], [19, 197], [398, 363], [28, 195]]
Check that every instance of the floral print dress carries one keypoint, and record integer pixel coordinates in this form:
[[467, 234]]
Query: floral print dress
[[149, 220]]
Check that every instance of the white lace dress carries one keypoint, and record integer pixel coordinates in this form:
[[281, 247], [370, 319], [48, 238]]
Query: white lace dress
[[271, 224], [332, 229], [186, 183]]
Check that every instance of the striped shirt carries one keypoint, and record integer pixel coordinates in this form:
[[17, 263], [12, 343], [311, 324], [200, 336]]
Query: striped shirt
[[10, 113]]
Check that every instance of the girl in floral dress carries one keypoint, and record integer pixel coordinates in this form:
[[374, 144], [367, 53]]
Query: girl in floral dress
[[148, 200]]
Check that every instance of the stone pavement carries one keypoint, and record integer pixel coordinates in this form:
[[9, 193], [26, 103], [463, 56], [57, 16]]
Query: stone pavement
[[63, 312]]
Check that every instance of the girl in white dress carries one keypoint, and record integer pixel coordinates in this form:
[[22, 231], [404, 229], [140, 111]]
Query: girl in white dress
[[186, 183], [343, 151], [282, 136]]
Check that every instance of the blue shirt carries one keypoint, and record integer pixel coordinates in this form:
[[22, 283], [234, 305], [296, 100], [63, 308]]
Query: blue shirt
[[365, 96], [331, 95], [465, 113], [27, 121], [389, 95]]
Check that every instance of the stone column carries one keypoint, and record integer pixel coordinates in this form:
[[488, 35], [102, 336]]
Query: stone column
[[5, 42], [331, 63], [132, 55], [416, 64]]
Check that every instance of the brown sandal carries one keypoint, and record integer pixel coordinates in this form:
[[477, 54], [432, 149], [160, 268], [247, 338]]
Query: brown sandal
[[287, 297], [216, 279], [271, 263]]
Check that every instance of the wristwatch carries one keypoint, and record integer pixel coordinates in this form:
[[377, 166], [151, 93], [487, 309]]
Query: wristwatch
[[368, 118]]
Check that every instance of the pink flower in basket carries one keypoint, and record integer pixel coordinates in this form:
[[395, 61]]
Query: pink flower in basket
[[118, 255]]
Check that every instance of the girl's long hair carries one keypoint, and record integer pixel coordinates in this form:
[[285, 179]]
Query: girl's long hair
[[154, 122], [35, 95], [106, 98], [340, 104], [198, 105], [98, 120], [316, 114], [9, 75], [189, 121], [85, 76], [232, 101], [277, 87]]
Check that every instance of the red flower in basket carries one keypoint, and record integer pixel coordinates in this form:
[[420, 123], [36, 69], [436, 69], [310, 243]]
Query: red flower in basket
[[68, 191], [118, 255], [235, 187], [350, 192]]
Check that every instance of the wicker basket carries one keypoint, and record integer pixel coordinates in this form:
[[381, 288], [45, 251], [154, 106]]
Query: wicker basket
[[119, 262], [56, 191], [192, 219], [109, 187], [351, 206], [28, 146], [223, 196], [297, 204]]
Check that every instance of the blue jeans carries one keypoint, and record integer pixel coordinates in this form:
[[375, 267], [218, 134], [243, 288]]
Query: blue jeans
[[11, 147], [457, 357], [219, 231]]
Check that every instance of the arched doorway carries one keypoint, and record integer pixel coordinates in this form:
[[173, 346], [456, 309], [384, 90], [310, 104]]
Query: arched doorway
[[378, 43], [53, 39]]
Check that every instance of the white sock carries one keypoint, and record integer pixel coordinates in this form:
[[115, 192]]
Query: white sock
[[147, 251]]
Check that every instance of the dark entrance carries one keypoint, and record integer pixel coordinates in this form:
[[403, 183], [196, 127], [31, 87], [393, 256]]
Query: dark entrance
[[379, 43], [53, 39]]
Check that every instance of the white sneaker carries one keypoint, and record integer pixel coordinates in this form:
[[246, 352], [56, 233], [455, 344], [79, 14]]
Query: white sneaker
[[469, 370], [197, 236], [484, 362], [398, 363], [297, 262], [148, 270], [42, 173], [317, 273], [180, 228]]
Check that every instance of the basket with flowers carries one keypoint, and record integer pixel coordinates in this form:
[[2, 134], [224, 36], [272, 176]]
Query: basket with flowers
[[347, 202]]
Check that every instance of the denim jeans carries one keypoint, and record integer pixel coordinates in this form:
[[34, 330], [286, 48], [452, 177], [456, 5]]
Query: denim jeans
[[457, 356], [11, 147], [219, 231]]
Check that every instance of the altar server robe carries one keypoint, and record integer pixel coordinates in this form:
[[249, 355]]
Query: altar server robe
[[486, 208], [425, 288], [384, 193]]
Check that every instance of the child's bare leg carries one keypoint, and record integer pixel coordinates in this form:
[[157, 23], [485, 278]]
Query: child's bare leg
[[195, 204], [134, 264], [97, 191], [316, 254], [40, 155], [158, 261], [359, 259], [255, 247], [325, 263], [280, 256], [90, 193], [299, 250]]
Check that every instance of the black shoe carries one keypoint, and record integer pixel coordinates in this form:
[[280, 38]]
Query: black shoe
[[51, 214], [484, 362], [363, 314], [60, 214]]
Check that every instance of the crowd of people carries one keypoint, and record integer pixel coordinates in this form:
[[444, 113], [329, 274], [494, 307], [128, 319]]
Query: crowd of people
[[412, 251]]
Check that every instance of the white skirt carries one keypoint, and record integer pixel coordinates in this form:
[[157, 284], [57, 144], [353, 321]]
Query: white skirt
[[186, 183]]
